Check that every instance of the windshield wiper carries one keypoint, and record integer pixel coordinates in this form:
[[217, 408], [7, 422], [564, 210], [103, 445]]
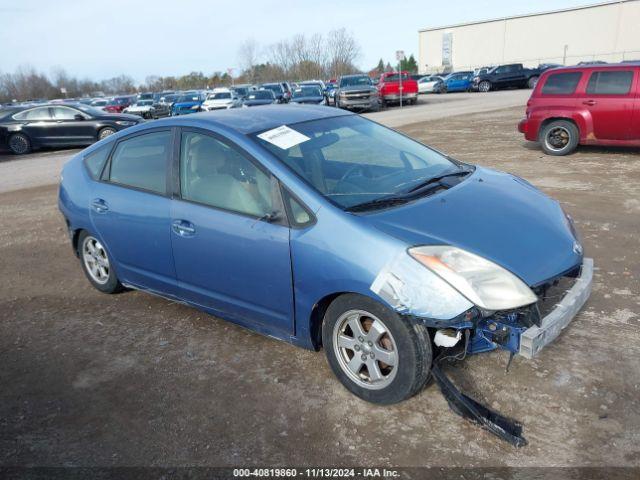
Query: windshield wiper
[[377, 203], [437, 179]]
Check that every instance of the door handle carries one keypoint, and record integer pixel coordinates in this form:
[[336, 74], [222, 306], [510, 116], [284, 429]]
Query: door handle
[[183, 228], [591, 103], [99, 205]]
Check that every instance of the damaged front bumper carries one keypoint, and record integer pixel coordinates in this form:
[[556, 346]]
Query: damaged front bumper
[[537, 337]]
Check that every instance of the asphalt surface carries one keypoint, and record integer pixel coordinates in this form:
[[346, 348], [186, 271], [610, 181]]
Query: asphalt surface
[[129, 380]]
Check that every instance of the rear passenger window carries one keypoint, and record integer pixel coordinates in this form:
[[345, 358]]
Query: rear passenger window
[[616, 82], [95, 160], [561, 83], [141, 162]]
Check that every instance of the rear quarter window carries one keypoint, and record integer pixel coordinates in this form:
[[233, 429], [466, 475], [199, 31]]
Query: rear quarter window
[[561, 83], [95, 161], [617, 82]]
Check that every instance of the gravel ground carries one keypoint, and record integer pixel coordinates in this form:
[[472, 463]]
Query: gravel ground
[[96, 380]]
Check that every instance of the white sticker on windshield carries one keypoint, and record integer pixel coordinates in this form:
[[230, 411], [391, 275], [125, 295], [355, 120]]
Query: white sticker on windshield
[[283, 137]]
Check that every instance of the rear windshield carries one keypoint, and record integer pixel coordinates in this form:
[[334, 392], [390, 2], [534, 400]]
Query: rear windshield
[[561, 83], [616, 82]]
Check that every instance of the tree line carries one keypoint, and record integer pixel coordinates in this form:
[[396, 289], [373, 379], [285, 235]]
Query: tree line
[[300, 57]]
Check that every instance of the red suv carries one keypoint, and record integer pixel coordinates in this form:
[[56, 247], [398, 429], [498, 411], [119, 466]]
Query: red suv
[[591, 105]]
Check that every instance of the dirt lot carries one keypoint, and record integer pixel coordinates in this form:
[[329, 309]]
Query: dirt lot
[[90, 379]]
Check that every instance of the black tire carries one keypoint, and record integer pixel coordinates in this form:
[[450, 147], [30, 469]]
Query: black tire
[[484, 86], [19, 144], [532, 82], [105, 132], [559, 137], [412, 353], [112, 284]]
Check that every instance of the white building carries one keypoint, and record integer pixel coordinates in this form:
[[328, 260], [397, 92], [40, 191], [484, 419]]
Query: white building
[[608, 31]]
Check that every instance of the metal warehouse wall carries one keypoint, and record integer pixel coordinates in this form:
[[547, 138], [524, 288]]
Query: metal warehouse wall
[[608, 31]]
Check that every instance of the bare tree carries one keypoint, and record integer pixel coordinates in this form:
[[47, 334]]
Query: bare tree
[[343, 50], [248, 54]]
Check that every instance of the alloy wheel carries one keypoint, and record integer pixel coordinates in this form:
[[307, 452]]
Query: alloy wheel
[[365, 349], [19, 144], [557, 138], [95, 260]]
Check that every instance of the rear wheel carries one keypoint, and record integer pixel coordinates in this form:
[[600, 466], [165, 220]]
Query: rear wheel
[[376, 354], [97, 265], [559, 137], [19, 144], [484, 86]]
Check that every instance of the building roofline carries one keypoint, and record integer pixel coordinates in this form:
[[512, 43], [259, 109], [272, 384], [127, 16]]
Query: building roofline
[[537, 14]]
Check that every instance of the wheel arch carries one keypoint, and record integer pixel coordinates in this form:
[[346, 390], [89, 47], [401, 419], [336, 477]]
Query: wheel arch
[[554, 118]]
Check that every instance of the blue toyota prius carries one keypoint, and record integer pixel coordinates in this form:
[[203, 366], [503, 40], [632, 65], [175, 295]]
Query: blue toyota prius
[[322, 228]]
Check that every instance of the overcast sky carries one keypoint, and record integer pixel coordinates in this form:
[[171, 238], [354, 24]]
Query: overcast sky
[[100, 39]]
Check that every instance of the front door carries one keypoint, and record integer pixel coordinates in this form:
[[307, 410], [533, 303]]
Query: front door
[[231, 250], [130, 212], [72, 127], [609, 98]]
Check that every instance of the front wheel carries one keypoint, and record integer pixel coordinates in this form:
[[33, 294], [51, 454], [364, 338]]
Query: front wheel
[[376, 354], [19, 144], [559, 137], [484, 86]]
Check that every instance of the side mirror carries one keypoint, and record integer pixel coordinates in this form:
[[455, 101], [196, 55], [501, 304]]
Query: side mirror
[[78, 116]]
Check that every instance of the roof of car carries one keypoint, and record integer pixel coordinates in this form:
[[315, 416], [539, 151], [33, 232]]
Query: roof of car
[[595, 66], [251, 120]]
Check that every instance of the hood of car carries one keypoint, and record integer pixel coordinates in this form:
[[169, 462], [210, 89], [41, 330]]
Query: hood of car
[[496, 215], [120, 116], [219, 101], [258, 102], [307, 99]]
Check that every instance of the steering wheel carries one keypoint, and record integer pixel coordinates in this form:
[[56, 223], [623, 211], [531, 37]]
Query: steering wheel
[[352, 170]]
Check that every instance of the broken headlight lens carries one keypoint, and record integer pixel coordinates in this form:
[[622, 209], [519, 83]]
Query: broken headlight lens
[[482, 282]]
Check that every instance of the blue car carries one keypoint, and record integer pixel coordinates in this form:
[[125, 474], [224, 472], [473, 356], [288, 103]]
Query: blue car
[[457, 82], [324, 229], [189, 102]]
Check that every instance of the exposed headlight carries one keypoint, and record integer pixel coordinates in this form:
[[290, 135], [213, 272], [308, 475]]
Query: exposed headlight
[[125, 123], [482, 282]]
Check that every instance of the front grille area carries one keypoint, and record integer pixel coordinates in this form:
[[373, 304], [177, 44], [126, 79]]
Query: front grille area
[[552, 292]]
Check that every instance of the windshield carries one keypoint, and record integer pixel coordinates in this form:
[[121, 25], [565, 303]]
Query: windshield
[[144, 103], [274, 88], [351, 160], [307, 92], [261, 95], [355, 81], [396, 77], [219, 96], [188, 98], [241, 90], [145, 96]]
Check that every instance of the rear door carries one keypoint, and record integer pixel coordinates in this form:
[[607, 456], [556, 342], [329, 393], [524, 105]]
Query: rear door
[[635, 123], [228, 256], [37, 123], [130, 210], [609, 98]]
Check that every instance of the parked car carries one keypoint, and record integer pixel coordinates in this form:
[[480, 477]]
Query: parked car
[[330, 89], [356, 92], [317, 83], [394, 86], [52, 125], [188, 102], [309, 94], [165, 102], [243, 90], [221, 99], [277, 89], [589, 105], [145, 109], [259, 97], [456, 82], [118, 104], [99, 103], [430, 84], [507, 76], [324, 229]]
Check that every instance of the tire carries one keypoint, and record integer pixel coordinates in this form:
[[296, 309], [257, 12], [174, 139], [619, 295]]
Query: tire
[[19, 144], [532, 82], [105, 132], [404, 341], [484, 86], [559, 137], [96, 264]]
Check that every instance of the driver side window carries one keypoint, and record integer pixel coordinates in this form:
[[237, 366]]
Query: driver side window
[[214, 174]]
